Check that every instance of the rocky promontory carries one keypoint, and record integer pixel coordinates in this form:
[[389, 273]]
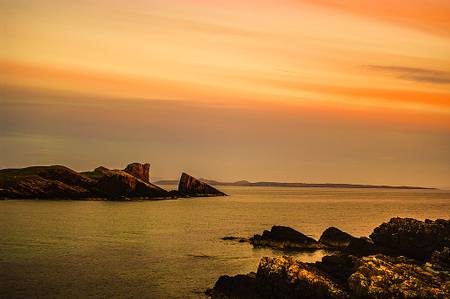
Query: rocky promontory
[[60, 182], [397, 265]]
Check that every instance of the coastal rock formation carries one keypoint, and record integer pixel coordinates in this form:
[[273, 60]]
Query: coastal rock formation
[[377, 276], [238, 286], [283, 237], [118, 184], [60, 182], [190, 186], [361, 247], [43, 182], [335, 238], [359, 271], [381, 276], [413, 238], [441, 258], [140, 171]]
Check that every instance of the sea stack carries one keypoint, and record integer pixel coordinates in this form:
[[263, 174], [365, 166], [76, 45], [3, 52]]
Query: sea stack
[[139, 170], [190, 186]]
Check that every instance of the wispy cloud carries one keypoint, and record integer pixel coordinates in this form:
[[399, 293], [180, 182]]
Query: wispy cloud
[[414, 74]]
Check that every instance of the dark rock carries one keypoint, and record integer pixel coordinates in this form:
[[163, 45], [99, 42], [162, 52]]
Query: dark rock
[[335, 238], [283, 237], [239, 286], [117, 184], [381, 277], [44, 182], [59, 182], [413, 238], [141, 171], [441, 258], [190, 186], [286, 277], [361, 247], [339, 266]]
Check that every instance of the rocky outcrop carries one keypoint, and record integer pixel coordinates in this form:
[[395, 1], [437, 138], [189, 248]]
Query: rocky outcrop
[[60, 182], [382, 277], [359, 271], [413, 238], [441, 258], [376, 276], [361, 247], [283, 237], [140, 171], [118, 184], [239, 286], [44, 182], [190, 186], [335, 238]]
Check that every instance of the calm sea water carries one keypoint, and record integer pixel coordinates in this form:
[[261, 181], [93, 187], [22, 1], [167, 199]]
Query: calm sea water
[[172, 249]]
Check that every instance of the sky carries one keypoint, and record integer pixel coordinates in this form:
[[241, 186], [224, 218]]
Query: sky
[[299, 91]]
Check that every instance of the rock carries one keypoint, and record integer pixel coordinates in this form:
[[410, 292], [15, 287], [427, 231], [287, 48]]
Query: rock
[[339, 266], [381, 277], [441, 258], [118, 184], [361, 247], [141, 171], [190, 186], [335, 238], [377, 276], [60, 182], [283, 237], [239, 286], [44, 182], [286, 277], [413, 238]]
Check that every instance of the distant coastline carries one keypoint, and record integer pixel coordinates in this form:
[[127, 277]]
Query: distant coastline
[[285, 184]]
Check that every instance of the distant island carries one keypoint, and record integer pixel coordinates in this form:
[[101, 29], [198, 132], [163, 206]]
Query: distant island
[[283, 184]]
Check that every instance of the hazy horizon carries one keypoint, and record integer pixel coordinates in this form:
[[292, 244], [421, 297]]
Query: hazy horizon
[[290, 91]]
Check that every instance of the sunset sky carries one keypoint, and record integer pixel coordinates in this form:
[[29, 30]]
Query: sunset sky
[[301, 91]]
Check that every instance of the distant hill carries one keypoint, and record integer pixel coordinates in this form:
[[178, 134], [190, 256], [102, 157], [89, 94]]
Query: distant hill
[[282, 184]]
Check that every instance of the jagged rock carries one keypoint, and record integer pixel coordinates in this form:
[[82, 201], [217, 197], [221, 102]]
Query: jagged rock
[[118, 184], [413, 238], [283, 237], [141, 171], [335, 238], [44, 182], [190, 186], [382, 277]]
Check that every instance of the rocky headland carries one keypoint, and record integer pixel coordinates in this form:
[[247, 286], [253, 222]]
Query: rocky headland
[[60, 182], [403, 258]]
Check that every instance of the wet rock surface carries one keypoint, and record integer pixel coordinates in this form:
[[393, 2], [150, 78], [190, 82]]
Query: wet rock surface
[[283, 237], [358, 271], [190, 186]]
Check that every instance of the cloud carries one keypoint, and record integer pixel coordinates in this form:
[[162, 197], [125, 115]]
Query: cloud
[[414, 74]]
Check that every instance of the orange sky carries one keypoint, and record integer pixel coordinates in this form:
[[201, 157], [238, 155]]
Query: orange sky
[[383, 63]]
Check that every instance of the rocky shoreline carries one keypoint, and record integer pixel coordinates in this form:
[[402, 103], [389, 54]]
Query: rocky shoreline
[[403, 258], [60, 182]]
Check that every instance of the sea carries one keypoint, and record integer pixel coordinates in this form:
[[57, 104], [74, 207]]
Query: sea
[[173, 248]]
